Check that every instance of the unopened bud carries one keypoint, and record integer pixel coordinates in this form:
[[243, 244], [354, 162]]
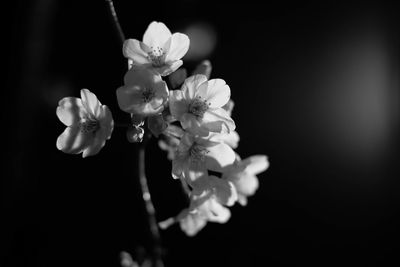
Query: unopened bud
[[156, 124], [204, 68], [178, 77], [134, 134]]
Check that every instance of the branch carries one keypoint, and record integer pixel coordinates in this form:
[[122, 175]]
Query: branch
[[116, 21]]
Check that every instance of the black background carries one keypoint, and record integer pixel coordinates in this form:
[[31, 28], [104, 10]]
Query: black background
[[330, 196]]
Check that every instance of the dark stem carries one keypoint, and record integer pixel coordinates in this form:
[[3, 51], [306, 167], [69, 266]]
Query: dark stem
[[151, 213], [121, 34]]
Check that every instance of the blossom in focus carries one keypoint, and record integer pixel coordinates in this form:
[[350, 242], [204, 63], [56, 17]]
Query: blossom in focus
[[195, 156], [243, 175], [198, 105], [144, 92], [160, 49], [89, 124]]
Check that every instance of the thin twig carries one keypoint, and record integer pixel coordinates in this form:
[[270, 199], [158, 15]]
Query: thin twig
[[116, 21], [151, 214]]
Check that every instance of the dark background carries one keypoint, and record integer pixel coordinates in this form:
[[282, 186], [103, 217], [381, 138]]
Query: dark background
[[316, 89]]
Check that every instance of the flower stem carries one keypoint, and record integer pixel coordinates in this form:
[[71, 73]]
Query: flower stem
[[116, 21], [151, 214]]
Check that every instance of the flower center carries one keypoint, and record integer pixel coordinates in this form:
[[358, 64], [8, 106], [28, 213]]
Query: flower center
[[147, 95], [198, 107], [197, 153], [89, 125], [157, 56]]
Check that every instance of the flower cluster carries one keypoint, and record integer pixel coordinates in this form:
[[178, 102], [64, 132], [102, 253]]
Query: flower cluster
[[191, 116]]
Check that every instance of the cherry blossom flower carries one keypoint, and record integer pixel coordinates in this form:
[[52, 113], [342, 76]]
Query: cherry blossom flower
[[243, 175], [198, 105], [160, 49], [144, 93], [89, 124], [192, 220], [196, 156]]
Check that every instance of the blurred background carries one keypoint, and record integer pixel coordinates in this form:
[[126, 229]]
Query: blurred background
[[316, 88]]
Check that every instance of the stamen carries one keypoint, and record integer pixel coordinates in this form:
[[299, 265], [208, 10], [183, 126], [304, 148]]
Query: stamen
[[89, 126], [197, 153], [198, 107], [157, 56], [147, 95]]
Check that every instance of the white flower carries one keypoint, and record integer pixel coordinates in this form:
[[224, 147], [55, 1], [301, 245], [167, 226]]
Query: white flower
[[195, 156], [198, 106], [243, 175], [144, 92], [192, 221], [160, 49], [89, 124]]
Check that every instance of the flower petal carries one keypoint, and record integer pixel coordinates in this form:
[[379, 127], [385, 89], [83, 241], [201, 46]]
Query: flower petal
[[219, 156], [192, 223], [218, 121], [169, 67], [91, 103], [217, 93], [156, 34], [179, 46], [70, 110], [106, 121], [177, 105], [96, 145], [191, 84], [246, 184], [255, 164], [72, 140], [136, 50], [224, 191], [215, 211]]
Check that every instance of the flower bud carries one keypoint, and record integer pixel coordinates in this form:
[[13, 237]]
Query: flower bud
[[177, 78], [134, 134], [203, 68]]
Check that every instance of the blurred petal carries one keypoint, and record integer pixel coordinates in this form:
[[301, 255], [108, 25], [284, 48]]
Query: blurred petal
[[179, 46], [70, 110], [219, 157], [224, 191], [169, 67], [203, 68], [177, 78], [177, 105], [256, 164]]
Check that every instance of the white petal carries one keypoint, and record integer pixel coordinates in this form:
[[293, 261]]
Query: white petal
[[225, 191], [156, 35], [177, 105], [218, 120], [217, 93], [191, 84], [192, 224], [169, 67], [179, 46], [219, 157], [70, 110], [246, 184], [255, 164], [72, 140], [217, 212], [90, 102], [136, 50], [96, 145], [106, 121]]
